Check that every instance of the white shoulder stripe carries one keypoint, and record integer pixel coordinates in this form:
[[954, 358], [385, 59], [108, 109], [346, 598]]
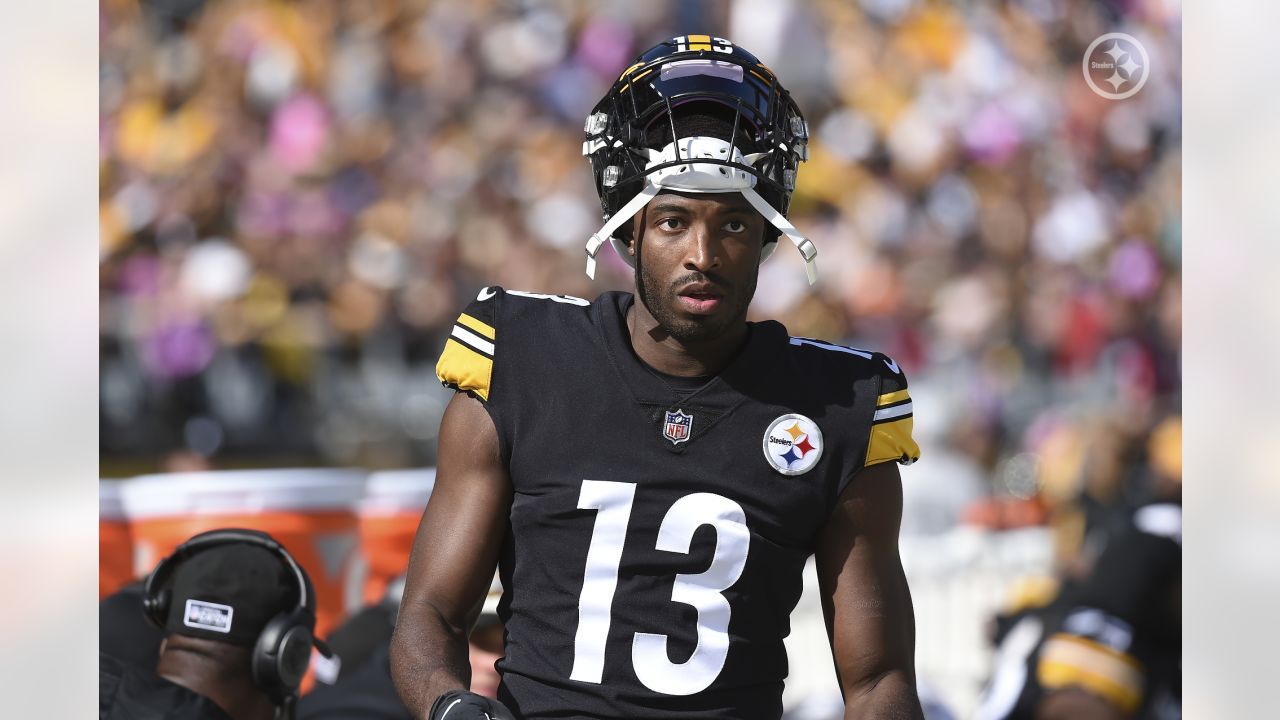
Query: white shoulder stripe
[[472, 339], [894, 411]]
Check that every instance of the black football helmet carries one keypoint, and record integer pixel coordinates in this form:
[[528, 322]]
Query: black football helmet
[[697, 114]]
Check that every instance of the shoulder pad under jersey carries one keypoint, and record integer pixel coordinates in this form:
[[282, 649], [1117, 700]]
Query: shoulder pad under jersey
[[466, 363], [891, 423]]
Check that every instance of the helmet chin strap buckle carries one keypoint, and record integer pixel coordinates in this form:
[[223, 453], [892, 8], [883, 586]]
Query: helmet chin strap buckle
[[593, 247]]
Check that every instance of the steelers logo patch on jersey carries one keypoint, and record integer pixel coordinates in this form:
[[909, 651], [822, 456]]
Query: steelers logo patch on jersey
[[793, 444]]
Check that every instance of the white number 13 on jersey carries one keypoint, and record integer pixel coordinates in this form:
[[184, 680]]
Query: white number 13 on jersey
[[702, 590]]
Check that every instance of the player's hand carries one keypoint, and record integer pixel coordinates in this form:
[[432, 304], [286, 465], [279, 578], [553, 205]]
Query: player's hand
[[464, 705]]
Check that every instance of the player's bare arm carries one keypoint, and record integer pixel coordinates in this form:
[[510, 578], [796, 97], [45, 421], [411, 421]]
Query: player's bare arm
[[866, 599], [454, 556]]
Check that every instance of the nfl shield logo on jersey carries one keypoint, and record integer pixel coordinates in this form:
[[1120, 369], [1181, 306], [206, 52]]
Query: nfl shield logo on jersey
[[677, 426]]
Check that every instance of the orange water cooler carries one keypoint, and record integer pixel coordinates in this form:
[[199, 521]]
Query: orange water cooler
[[312, 512], [115, 541], [389, 516]]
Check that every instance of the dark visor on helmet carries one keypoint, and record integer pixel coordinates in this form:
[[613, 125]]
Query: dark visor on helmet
[[653, 90]]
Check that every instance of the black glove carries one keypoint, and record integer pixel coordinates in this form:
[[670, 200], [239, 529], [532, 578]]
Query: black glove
[[465, 705]]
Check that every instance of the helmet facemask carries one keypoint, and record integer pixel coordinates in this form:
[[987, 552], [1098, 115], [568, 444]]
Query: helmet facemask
[[699, 122]]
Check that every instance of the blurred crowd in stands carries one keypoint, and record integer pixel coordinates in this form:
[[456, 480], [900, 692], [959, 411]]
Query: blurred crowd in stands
[[297, 197]]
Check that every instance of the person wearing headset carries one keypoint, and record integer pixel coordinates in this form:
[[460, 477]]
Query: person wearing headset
[[239, 619]]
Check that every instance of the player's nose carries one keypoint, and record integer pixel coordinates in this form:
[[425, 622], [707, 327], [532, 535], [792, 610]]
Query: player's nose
[[703, 250]]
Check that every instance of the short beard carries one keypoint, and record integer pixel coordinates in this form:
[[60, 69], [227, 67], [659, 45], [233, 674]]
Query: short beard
[[661, 305]]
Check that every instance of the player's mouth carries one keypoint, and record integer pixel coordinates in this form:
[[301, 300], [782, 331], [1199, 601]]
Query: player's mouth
[[700, 298]]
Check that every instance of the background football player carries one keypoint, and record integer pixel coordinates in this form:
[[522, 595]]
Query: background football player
[[1109, 643], [651, 472]]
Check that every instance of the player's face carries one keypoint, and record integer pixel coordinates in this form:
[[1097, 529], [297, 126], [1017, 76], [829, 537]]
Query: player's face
[[699, 259]]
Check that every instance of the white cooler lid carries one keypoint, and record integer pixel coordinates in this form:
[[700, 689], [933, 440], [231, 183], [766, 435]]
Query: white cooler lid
[[110, 504], [225, 492], [396, 491]]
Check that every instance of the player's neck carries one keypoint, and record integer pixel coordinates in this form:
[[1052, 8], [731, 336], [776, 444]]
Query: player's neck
[[230, 689], [666, 354]]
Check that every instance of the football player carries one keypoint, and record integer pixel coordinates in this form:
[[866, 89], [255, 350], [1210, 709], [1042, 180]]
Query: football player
[[1110, 644], [650, 472]]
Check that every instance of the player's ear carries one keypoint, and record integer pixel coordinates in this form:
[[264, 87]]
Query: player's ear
[[627, 232]]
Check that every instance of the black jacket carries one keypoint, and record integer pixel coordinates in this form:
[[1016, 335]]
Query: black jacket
[[127, 692]]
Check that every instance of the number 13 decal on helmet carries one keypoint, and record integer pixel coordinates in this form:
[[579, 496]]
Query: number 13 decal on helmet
[[685, 43], [704, 590]]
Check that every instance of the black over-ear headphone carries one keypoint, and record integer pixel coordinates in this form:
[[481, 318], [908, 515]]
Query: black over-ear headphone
[[282, 652]]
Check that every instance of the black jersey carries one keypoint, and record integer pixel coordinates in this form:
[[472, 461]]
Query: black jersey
[[1116, 634], [126, 692], [658, 533]]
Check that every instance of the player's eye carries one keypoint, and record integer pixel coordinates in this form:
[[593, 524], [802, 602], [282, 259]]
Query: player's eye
[[735, 226], [669, 224]]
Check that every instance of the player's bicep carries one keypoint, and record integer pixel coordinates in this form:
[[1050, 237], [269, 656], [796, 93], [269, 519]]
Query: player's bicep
[[462, 529], [864, 592]]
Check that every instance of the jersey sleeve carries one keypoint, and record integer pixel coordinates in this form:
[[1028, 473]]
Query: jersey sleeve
[[466, 363], [1127, 602], [891, 424], [1076, 660]]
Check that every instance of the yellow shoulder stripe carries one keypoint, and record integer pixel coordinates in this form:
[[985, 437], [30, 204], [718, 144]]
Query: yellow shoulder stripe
[[892, 441], [892, 397], [1068, 661], [462, 368], [476, 325]]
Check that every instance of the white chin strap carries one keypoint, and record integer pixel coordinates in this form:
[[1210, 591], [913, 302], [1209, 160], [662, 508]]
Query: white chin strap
[[699, 177], [627, 212]]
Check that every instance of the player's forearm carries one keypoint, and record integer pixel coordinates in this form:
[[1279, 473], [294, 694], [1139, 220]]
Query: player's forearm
[[891, 696], [428, 659]]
